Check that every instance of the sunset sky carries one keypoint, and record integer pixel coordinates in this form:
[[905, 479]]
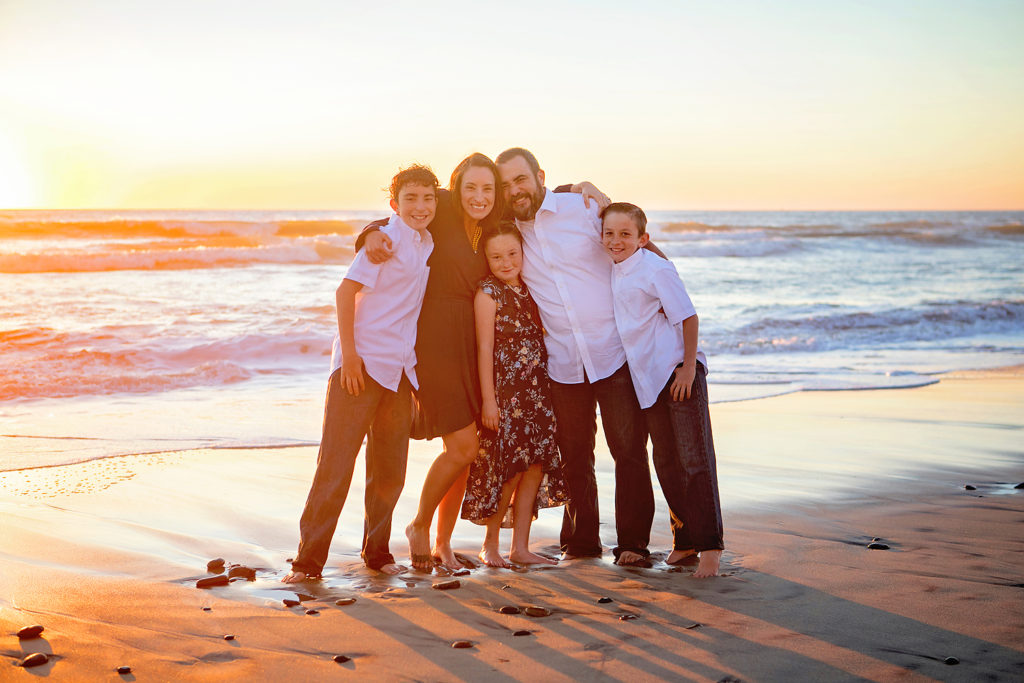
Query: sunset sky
[[883, 104]]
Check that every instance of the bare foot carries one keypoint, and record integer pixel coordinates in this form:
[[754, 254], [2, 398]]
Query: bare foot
[[708, 564], [419, 547], [685, 558], [444, 554], [568, 556], [526, 557], [492, 558], [392, 569], [294, 577], [628, 558]]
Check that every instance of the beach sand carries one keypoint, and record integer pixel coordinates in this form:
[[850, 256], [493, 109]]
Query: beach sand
[[105, 556]]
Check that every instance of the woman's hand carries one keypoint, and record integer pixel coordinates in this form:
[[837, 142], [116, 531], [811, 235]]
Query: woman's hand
[[682, 385], [490, 414], [378, 247], [352, 374], [591, 193]]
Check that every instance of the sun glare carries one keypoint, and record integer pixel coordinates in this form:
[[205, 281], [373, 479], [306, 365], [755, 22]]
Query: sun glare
[[16, 186]]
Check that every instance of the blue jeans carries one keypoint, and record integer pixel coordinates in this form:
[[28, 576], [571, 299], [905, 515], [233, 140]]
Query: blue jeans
[[625, 430], [684, 458], [386, 416]]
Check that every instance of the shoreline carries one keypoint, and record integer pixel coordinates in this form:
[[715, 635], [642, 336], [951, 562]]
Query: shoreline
[[105, 555]]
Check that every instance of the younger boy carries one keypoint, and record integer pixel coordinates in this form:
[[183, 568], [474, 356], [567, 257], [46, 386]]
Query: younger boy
[[658, 326], [372, 376]]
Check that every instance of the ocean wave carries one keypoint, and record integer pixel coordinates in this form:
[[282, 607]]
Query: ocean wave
[[118, 228]]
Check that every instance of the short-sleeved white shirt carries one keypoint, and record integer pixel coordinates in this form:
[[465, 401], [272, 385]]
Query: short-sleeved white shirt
[[388, 306], [650, 305], [569, 274]]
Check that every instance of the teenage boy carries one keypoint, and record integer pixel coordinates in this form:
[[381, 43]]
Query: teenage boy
[[569, 275], [658, 326], [372, 377]]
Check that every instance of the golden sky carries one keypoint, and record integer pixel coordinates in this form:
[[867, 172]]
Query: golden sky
[[892, 104]]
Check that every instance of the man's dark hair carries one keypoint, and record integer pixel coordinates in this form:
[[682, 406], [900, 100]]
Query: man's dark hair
[[513, 152], [631, 210]]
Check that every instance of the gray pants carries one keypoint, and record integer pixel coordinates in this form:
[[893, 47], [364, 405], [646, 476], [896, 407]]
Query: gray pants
[[386, 416]]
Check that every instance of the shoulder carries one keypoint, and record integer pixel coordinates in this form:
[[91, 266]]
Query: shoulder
[[491, 286]]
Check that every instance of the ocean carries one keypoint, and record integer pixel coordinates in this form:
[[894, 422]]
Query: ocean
[[145, 331]]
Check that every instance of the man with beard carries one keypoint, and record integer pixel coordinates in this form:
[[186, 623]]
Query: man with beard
[[569, 274]]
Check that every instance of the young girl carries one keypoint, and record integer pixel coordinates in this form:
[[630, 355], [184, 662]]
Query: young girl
[[518, 462]]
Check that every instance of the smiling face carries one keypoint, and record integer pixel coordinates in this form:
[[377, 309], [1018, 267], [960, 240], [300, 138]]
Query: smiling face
[[416, 205], [477, 192], [620, 236], [505, 257], [523, 189]]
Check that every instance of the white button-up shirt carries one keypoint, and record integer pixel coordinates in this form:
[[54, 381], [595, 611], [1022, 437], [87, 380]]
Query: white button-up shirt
[[569, 275], [388, 306], [651, 304]]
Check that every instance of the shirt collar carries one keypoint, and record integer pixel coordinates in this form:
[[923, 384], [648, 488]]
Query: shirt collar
[[550, 202], [404, 230], [630, 264]]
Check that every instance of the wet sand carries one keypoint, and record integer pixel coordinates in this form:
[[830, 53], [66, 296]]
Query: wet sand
[[105, 556]]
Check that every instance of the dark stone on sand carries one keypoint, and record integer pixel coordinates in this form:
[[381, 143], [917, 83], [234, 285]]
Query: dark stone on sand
[[522, 633], [462, 644], [312, 612], [969, 487], [341, 602], [289, 602], [535, 611], [341, 659], [877, 546], [34, 659], [692, 626], [447, 585], [509, 609], [627, 617], [243, 572], [207, 609], [604, 601], [30, 632], [290, 560], [951, 661], [215, 566], [461, 572], [124, 670], [1019, 486], [229, 637], [506, 587], [212, 581]]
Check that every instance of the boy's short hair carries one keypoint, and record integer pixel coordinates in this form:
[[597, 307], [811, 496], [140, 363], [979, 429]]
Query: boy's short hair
[[513, 152], [417, 174], [631, 210]]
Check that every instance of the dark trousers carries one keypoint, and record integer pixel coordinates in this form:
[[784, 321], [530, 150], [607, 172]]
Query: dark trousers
[[684, 458], [625, 430], [386, 417]]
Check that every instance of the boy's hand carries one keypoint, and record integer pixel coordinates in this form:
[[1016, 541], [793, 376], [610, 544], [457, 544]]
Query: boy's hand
[[682, 385], [378, 247], [352, 374], [490, 414], [591, 193]]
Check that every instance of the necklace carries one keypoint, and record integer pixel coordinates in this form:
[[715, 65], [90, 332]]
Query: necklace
[[519, 292], [475, 240]]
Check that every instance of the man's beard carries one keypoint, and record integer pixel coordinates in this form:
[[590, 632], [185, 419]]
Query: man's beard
[[529, 212]]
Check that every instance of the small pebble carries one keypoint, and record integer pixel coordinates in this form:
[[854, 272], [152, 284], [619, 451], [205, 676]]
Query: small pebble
[[461, 572], [535, 611], [627, 617], [243, 572], [312, 612], [30, 632], [344, 601], [215, 566], [124, 670], [447, 585], [207, 609], [229, 637], [34, 659], [289, 602], [969, 487], [341, 659], [692, 626], [462, 644], [509, 609], [604, 601], [951, 661], [290, 560], [522, 633], [877, 546], [212, 581], [506, 587]]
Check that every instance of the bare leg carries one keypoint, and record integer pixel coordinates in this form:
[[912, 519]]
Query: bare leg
[[708, 564], [460, 449], [522, 518], [447, 515], [489, 553]]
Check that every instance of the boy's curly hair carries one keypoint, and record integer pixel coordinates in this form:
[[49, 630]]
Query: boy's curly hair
[[417, 174]]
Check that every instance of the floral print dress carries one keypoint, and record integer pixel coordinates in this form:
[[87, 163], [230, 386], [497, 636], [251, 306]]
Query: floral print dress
[[526, 428]]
